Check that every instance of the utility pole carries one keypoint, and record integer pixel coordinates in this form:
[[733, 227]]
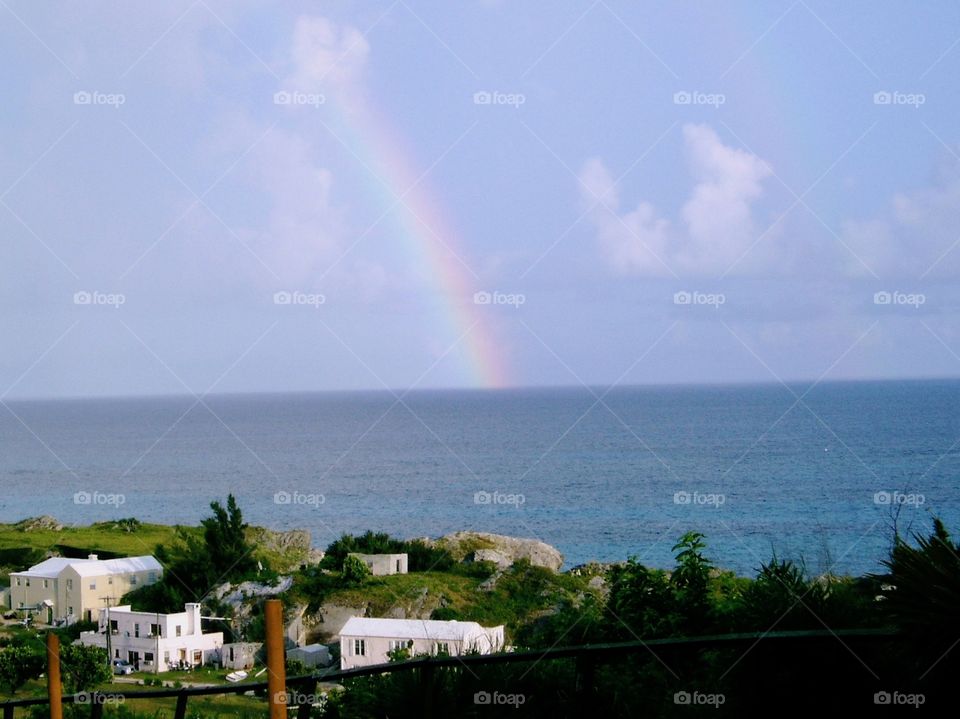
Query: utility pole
[[107, 601]]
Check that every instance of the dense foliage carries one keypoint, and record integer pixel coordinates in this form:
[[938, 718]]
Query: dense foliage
[[195, 564], [920, 596], [422, 557]]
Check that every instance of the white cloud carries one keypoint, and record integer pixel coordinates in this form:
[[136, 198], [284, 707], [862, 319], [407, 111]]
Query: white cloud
[[716, 224], [326, 55], [913, 237]]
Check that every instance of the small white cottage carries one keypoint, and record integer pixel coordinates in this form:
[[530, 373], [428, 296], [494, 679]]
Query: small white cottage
[[383, 564], [366, 640]]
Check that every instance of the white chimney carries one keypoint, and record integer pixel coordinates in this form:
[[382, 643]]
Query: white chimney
[[93, 556]]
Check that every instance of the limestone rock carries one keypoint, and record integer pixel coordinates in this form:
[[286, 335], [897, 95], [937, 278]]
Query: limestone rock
[[465, 544]]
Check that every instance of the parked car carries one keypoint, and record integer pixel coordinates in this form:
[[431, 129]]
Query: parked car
[[122, 667]]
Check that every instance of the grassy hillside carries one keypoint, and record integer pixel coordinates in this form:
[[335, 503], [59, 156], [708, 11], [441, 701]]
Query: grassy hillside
[[31, 541], [515, 597]]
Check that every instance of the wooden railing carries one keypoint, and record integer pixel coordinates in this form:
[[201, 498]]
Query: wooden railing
[[283, 692]]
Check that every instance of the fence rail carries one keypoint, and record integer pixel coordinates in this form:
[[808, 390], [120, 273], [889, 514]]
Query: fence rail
[[586, 656]]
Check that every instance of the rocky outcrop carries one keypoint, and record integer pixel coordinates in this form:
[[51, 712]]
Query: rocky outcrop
[[501, 550], [292, 548], [236, 594], [39, 524], [329, 620]]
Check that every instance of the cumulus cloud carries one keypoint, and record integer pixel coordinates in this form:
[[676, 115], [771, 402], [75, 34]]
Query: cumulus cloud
[[305, 229], [326, 55], [715, 226], [916, 236]]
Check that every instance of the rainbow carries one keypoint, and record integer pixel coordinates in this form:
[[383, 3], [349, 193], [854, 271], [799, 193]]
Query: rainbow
[[433, 243]]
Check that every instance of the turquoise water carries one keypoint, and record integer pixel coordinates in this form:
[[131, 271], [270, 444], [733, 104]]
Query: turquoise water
[[748, 465]]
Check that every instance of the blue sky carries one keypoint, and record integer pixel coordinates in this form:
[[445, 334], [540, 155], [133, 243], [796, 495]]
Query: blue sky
[[646, 192]]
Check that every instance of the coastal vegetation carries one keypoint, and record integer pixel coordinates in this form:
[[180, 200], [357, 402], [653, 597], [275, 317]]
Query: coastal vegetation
[[916, 601]]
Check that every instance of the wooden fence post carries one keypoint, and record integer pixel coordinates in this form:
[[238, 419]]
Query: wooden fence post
[[276, 664], [428, 686], [54, 690]]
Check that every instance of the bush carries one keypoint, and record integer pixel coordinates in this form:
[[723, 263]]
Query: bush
[[355, 571]]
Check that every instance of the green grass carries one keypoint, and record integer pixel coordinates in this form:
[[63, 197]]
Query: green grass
[[521, 594], [20, 549], [104, 537]]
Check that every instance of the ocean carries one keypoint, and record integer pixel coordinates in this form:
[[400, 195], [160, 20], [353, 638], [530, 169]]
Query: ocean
[[602, 475]]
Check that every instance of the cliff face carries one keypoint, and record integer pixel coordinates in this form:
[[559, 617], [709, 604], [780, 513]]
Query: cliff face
[[286, 550]]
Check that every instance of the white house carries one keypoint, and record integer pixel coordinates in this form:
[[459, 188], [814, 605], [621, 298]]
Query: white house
[[365, 640], [148, 639], [383, 564], [62, 589]]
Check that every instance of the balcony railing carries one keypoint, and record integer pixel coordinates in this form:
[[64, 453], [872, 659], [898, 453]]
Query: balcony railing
[[587, 657]]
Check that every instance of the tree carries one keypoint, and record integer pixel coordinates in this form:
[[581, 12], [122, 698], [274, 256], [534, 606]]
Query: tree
[[226, 542], [690, 579], [197, 562], [922, 593], [83, 667], [355, 571], [18, 664]]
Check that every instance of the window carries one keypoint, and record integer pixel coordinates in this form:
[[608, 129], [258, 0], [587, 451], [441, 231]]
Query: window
[[179, 630], [109, 580], [46, 583], [69, 584], [133, 579], [69, 611], [114, 627], [18, 581], [116, 654], [28, 581], [359, 648], [155, 630], [398, 566], [152, 577], [166, 657], [93, 584], [441, 648], [136, 630], [148, 657], [397, 644]]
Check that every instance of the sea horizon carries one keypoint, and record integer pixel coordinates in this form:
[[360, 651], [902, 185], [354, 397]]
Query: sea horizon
[[754, 468]]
